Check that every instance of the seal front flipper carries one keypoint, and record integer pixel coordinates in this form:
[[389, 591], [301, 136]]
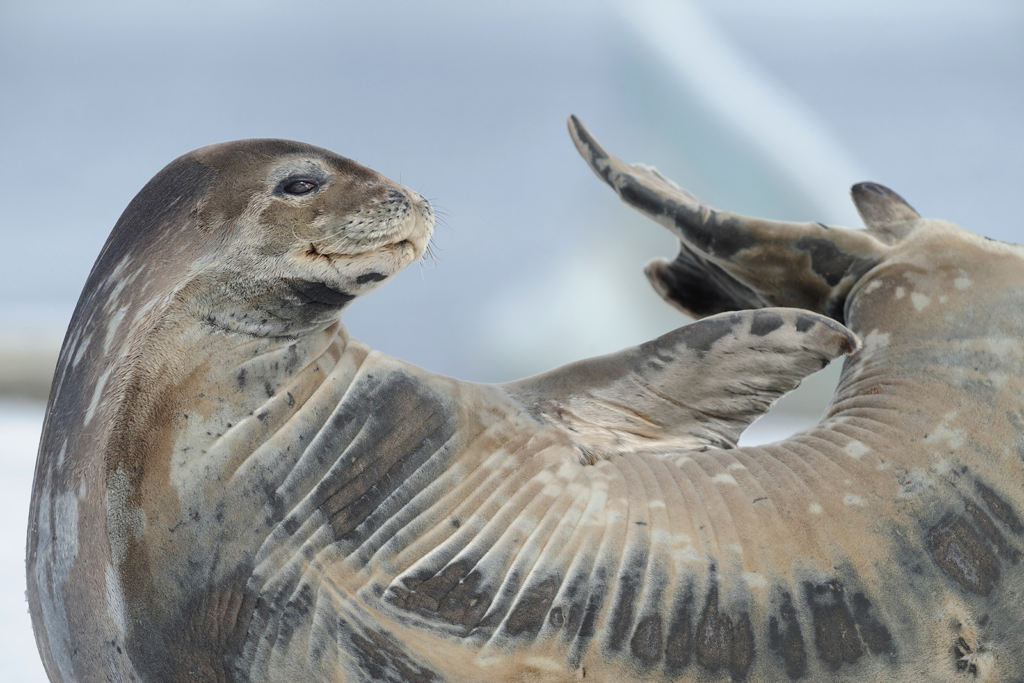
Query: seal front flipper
[[700, 385], [730, 262]]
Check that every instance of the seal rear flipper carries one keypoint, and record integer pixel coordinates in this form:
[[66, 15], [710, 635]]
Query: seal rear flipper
[[731, 262], [700, 385]]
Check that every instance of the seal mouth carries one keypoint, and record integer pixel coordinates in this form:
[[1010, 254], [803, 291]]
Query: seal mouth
[[390, 257]]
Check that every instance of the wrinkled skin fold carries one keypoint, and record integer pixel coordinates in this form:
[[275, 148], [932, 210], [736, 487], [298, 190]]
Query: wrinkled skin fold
[[230, 488]]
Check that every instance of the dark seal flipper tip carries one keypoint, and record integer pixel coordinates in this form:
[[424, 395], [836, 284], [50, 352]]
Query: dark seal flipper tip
[[590, 149], [882, 210]]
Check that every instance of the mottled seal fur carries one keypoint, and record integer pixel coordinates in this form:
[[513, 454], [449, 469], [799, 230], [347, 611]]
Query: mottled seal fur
[[229, 488]]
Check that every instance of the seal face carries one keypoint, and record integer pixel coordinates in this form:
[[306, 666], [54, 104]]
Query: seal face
[[229, 488]]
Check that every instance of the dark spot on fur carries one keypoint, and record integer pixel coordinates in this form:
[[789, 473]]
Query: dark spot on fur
[[832, 264], [804, 322], [369, 459], [722, 641], [875, 635], [961, 659], [765, 322], [294, 614], [527, 616], [453, 595], [991, 532], [370, 277], [621, 618], [383, 659], [722, 236], [703, 334], [835, 632], [679, 643], [826, 259], [786, 640], [556, 619], [573, 596], [240, 379], [1002, 510], [963, 556], [646, 642], [588, 620]]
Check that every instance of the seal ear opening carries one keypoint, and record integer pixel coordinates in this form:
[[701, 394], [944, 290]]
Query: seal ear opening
[[882, 210]]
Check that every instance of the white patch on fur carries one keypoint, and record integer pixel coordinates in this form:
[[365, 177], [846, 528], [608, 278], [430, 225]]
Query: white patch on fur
[[851, 499], [953, 436], [115, 601], [83, 346], [686, 555], [855, 449], [112, 326], [919, 300], [97, 392], [51, 583], [120, 520], [736, 466], [900, 292], [724, 479], [814, 509], [544, 664], [1005, 347], [876, 284], [67, 531], [874, 341], [755, 580], [962, 283], [914, 484]]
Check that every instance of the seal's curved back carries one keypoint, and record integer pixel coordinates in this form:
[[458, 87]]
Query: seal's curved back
[[68, 510]]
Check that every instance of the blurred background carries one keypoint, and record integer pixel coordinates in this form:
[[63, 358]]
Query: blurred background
[[770, 109]]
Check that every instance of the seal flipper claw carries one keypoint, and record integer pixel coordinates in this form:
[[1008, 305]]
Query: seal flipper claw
[[700, 385], [729, 262]]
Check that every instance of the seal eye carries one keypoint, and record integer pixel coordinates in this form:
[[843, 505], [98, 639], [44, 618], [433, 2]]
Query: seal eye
[[299, 187]]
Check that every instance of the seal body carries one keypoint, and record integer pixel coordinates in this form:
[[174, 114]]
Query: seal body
[[230, 488]]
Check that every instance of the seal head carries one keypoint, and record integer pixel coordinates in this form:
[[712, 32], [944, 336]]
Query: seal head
[[299, 233]]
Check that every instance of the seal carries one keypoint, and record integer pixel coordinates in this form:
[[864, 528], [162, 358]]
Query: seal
[[230, 488]]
